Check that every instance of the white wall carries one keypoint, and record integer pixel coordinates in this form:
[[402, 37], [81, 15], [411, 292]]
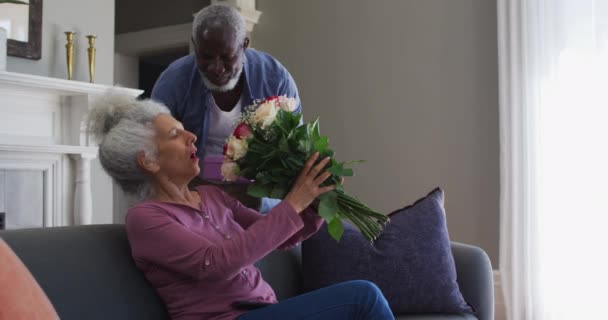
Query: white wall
[[410, 86], [82, 17]]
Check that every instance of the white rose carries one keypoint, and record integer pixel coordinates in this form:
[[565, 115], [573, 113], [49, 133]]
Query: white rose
[[236, 148], [287, 104], [265, 114], [230, 170]]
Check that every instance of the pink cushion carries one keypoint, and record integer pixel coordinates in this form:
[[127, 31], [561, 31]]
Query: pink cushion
[[20, 295]]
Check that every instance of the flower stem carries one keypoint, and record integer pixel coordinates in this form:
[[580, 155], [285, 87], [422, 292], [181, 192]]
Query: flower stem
[[370, 228]]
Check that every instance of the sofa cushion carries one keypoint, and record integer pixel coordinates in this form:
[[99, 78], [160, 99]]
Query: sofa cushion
[[20, 296], [411, 261], [282, 269], [87, 272]]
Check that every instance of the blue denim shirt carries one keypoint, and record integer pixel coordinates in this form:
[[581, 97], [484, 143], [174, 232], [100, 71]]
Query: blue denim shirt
[[181, 89]]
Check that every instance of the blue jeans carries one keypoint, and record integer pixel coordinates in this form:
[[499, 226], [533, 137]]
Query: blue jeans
[[352, 300]]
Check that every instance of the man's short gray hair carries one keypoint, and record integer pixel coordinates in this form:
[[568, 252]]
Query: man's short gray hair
[[219, 14], [123, 128]]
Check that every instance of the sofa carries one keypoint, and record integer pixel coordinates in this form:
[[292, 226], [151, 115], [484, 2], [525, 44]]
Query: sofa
[[87, 273]]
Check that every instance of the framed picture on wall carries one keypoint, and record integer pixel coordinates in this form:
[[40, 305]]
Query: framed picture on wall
[[23, 23]]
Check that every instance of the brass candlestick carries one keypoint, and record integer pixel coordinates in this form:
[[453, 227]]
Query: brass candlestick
[[69, 47], [91, 51]]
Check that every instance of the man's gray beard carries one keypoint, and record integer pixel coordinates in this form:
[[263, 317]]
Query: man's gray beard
[[225, 88]]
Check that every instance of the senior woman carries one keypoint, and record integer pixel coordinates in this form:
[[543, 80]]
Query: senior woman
[[198, 247]]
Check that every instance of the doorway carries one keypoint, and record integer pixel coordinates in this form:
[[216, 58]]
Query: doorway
[[152, 65]]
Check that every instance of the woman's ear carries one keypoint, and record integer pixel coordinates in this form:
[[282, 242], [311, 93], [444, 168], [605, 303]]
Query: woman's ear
[[146, 163]]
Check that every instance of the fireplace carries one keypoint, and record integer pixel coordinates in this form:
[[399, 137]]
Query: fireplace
[[45, 152], [22, 199]]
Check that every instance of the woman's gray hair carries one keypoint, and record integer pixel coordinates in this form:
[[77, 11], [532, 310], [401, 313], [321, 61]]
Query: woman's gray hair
[[219, 14], [123, 128]]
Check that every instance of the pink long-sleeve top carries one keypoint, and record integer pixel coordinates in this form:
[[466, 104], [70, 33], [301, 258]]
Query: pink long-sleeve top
[[201, 260]]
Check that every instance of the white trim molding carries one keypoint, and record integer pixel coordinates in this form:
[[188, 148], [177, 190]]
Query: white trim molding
[[60, 87], [59, 149]]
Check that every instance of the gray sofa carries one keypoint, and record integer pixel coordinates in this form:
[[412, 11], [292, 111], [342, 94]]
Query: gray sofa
[[87, 273]]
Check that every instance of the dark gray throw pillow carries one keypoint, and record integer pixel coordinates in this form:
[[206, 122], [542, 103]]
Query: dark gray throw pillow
[[411, 261]]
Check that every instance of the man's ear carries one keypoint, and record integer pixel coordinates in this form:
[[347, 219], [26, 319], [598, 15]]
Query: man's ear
[[146, 163], [245, 43]]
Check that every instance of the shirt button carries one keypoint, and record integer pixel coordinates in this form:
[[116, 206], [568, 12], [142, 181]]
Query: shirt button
[[245, 271], [207, 262], [216, 226], [206, 216], [228, 237]]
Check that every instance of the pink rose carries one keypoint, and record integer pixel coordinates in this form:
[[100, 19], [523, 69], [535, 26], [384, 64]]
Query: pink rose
[[230, 170], [242, 131]]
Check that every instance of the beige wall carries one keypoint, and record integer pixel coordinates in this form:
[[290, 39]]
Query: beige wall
[[82, 17], [408, 85]]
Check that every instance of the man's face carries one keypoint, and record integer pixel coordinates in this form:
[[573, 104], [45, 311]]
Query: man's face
[[220, 58]]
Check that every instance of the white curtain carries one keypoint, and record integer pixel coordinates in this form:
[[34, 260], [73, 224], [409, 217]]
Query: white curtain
[[553, 58]]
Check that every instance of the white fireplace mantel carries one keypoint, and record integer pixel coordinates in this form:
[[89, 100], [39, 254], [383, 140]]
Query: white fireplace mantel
[[58, 86], [42, 127]]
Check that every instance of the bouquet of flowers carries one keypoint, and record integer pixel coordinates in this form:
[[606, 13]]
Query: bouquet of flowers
[[270, 147]]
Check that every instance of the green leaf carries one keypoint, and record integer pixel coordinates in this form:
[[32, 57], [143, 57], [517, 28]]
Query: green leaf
[[329, 153], [309, 127], [336, 168], [269, 154], [314, 131], [287, 120], [354, 162], [335, 229], [321, 144], [283, 145], [328, 205], [278, 193], [347, 173], [295, 122], [259, 190], [339, 170], [295, 162], [304, 146]]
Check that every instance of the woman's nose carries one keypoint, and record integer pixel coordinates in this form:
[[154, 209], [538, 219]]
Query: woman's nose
[[191, 137]]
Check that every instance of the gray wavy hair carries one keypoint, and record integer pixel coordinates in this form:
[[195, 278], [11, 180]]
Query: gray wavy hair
[[219, 14], [123, 128]]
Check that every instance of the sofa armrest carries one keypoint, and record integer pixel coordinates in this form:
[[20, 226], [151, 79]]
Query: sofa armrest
[[475, 278]]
